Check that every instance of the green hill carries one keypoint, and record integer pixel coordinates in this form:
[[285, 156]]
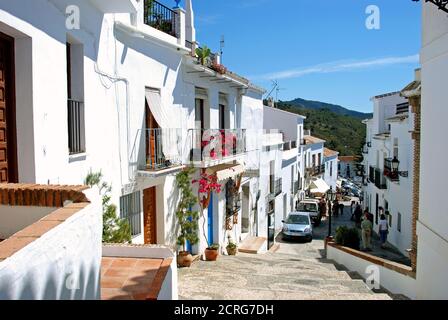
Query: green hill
[[343, 133]]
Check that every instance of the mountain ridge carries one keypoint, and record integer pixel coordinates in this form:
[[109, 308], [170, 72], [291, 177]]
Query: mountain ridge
[[318, 105]]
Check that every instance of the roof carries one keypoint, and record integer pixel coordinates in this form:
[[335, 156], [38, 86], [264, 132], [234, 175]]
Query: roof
[[287, 112], [132, 278], [412, 89], [330, 153], [313, 140], [385, 95], [347, 158], [399, 117]]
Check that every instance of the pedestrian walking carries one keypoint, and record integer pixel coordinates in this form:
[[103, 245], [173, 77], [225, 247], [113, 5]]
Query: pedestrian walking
[[322, 207], [369, 215], [358, 215], [352, 207], [366, 233], [335, 207], [384, 230], [341, 209]]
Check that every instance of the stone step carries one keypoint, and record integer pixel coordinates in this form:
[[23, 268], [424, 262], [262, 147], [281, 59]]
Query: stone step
[[252, 245]]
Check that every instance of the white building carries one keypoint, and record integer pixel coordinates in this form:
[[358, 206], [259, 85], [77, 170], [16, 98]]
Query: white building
[[389, 137], [331, 167], [292, 171], [347, 167], [432, 221], [124, 94]]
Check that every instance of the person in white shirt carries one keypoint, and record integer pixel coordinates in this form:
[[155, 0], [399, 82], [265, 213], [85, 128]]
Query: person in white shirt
[[384, 230]]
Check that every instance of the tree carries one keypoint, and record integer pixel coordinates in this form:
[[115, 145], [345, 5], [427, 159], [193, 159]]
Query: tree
[[187, 219], [115, 230]]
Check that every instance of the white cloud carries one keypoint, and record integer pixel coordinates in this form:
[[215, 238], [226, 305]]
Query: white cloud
[[339, 66]]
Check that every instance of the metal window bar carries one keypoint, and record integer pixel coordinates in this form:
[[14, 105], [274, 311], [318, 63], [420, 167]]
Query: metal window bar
[[76, 137], [160, 17], [130, 209]]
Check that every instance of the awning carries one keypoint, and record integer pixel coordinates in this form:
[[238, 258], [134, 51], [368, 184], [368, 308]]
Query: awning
[[319, 186], [226, 171]]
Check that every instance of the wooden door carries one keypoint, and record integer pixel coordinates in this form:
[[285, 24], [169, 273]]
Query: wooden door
[[151, 137], [149, 216], [8, 161]]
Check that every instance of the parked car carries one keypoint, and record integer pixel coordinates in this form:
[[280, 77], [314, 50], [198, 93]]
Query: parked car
[[310, 207], [298, 226]]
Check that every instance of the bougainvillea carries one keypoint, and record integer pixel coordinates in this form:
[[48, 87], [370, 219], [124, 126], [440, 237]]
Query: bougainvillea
[[220, 144]]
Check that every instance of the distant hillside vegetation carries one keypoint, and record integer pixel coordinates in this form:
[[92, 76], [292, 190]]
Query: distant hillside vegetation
[[317, 105], [343, 133]]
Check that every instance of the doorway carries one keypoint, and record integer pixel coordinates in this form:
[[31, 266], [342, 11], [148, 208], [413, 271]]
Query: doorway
[[8, 139], [245, 221], [150, 216]]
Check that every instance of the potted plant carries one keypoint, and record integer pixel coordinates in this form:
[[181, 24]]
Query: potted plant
[[219, 68], [203, 54], [212, 252], [232, 248], [187, 219]]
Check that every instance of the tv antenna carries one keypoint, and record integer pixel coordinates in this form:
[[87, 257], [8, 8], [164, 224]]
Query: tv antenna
[[222, 44], [274, 86], [277, 90]]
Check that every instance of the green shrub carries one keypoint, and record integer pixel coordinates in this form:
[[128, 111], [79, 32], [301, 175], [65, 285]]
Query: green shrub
[[347, 237]]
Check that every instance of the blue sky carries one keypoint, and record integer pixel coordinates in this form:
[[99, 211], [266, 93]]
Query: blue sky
[[319, 50]]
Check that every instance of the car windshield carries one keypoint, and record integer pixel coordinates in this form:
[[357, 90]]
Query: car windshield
[[307, 207], [298, 219]]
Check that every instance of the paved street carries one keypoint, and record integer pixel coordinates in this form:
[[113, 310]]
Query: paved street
[[296, 271]]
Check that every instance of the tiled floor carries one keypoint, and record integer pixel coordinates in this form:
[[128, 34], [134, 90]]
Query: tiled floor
[[129, 278]]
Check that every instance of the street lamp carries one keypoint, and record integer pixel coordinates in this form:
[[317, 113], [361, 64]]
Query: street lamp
[[331, 196], [395, 163]]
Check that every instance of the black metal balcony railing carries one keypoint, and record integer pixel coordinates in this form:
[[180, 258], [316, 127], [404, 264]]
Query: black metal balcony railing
[[287, 146], [295, 188], [293, 144], [76, 133], [441, 4], [160, 17], [380, 180], [216, 144], [316, 170], [278, 186], [163, 148], [388, 172]]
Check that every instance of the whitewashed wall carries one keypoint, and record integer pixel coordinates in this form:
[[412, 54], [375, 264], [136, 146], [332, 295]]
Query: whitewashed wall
[[432, 231], [62, 264]]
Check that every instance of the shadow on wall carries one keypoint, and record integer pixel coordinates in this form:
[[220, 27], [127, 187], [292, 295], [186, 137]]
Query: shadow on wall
[[39, 12], [51, 284], [173, 227]]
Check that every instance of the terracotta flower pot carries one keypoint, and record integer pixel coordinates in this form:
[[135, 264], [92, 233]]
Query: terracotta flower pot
[[211, 254], [184, 259], [232, 251]]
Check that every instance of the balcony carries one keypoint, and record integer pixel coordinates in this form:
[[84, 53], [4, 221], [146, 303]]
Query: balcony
[[296, 187], [380, 180], [215, 146], [278, 186], [388, 172], [316, 170], [160, 17], [157, 151]]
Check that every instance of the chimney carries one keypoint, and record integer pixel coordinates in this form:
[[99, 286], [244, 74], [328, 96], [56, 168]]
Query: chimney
[[190, 32]]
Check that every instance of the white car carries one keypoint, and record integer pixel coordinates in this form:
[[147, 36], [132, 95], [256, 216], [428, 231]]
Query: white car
[[298, 225], [310, 207]]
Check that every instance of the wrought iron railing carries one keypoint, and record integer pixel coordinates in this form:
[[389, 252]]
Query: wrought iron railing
[[278, 186], [316, 170], [388, 172], [160, 17], [441, 4], [380, 180], [216, 144], [157, 149], [76, 133]]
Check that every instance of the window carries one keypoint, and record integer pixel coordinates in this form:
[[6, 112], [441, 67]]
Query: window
[[75, 94], [331, 169], [222, 116], [130, 210], [314, 161], [396, 148], [272, 177], [399, 222]]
